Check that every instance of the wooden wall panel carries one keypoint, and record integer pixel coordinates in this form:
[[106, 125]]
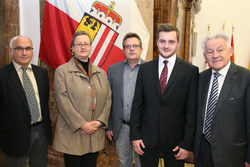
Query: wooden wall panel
[[9, 27]]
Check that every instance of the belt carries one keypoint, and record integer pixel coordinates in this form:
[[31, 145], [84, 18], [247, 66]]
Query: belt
[[36, 124], [126, 122]]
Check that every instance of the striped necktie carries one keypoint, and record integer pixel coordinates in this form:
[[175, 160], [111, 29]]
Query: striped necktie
[[164, 76], [212, 101], [30, 95]]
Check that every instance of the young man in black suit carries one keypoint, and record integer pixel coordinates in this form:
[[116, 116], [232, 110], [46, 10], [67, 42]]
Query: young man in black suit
[[164, 107], [25, 128], [223, 118]]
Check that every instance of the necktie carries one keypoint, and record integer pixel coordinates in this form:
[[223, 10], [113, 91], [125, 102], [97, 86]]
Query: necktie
[[30, 95], [212, 101], [164, 76]]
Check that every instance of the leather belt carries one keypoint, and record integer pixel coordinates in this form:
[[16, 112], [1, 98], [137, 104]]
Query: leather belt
[[126, 122], [36, 124]]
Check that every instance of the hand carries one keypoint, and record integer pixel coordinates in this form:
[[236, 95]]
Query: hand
[[182, 154], [88, 128], [247, 164], [95, 124], [109, 134], [137, 144]]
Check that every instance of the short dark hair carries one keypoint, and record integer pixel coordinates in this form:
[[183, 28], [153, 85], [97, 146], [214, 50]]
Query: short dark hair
[[79, 33], [131, 35], [166, 27]]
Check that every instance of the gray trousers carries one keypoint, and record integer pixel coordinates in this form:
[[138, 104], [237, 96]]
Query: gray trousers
[[37, 154], [124, 148]]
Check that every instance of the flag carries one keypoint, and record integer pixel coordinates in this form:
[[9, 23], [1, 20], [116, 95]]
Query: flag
[[232, 45], [107, 22]]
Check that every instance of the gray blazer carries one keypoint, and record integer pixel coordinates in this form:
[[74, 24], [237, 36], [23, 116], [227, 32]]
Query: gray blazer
[[230, 140], [115, 77]]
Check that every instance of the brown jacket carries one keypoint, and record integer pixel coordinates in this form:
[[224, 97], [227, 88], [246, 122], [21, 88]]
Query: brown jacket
[[73, 97]]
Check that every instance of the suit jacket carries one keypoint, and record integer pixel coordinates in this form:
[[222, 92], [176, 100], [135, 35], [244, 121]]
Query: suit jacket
[[168, 119], [230, 133], [15, 120], [115, 77]]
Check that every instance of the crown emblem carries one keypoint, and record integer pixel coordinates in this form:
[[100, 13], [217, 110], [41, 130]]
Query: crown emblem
[[106, 13]]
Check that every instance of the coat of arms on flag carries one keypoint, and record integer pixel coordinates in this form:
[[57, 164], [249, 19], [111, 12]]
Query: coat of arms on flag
[[107, 22], [101, 24]]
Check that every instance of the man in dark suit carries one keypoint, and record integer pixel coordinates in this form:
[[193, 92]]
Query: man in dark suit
[[122, 78], [25, 128], [223, 118], [164, 107]]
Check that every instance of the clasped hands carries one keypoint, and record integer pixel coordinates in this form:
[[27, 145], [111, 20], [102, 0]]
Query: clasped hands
[[90, 127], [181, 153]]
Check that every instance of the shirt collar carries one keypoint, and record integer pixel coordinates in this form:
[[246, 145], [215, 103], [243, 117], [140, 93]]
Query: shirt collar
[[224, 70], [171, 60], [18, 67], [139, 62]]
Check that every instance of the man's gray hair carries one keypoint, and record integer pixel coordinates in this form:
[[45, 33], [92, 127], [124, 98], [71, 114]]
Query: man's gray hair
[[221, 35], [14, 38]]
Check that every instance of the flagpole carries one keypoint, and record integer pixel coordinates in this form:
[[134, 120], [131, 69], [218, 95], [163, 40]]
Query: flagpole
[[232, 44], [39, 62], [208, 28], [223, 27]]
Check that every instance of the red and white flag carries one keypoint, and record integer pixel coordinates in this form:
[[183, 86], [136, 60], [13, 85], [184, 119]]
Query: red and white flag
[[107, 21]]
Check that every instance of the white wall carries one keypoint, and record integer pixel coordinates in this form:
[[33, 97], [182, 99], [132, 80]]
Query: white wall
[[30, 23], [216, 12]]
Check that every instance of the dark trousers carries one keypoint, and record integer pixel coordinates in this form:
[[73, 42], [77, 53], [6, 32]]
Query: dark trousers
[[151, 157], [37, 154], [86, 160], [205, 158]]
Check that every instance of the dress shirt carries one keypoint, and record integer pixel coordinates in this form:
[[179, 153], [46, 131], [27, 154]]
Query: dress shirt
[[33, 81], [129, 81], [221, 79], [171, 62]]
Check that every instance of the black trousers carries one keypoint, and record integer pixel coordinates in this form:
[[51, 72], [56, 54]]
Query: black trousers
[[205, 158], [151, 157], [38, 150], [86, 160]]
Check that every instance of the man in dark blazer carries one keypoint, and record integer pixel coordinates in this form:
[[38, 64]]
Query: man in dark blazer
[[22, 139], [223, 137], [163, 120], [122, 78]]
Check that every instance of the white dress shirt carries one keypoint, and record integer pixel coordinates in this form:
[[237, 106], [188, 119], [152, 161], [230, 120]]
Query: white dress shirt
[[171, 62]]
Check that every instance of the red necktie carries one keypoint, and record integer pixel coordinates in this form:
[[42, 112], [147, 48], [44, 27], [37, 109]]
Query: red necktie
[[164, 76]]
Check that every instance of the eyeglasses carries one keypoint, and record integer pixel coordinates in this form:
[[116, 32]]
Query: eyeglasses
[[130, 46], [20, 48], [79, 45]]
